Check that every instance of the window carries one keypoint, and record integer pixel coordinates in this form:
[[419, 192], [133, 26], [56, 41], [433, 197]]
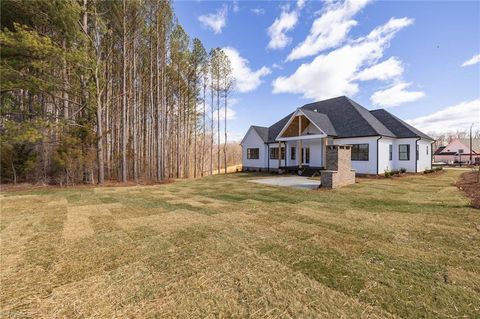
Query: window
[[390, 152], [417, 153], [460, 151], [404, 152], [293, 153], [307, 155], [427, 149], [274, 153], [360, 152], [253, 153]]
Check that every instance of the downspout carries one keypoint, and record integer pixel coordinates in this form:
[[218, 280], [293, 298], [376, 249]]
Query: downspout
[[417, 154], [431, 154], [378, 153]]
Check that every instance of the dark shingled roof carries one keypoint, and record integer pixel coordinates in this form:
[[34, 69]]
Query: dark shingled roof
[[397, 126], [322, 121], [262, 132], [439, 149], [350, 119], [275, 129], [341, 117]]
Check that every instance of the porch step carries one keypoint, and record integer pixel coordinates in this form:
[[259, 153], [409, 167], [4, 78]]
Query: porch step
[[309, 172]]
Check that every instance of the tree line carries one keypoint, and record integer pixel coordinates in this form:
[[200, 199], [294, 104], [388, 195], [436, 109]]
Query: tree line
[[95, 90]]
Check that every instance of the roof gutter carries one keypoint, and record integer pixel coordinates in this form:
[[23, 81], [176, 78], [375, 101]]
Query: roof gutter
[[378, 153], [417, 153]]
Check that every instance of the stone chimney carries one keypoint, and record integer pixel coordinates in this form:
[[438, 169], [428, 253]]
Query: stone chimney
[[338, 167]]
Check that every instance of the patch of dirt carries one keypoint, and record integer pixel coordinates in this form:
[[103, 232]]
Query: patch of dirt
[[469, 182]]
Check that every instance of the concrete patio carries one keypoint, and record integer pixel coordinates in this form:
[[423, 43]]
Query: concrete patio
[[300, 182]]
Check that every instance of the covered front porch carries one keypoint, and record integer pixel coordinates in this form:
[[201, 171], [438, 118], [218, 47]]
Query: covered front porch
[[300, 146]]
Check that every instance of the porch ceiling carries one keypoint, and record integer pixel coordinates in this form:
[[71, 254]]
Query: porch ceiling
[[292, 129]]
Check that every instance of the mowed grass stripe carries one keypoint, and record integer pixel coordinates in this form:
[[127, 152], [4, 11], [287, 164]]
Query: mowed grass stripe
[[222, 246]]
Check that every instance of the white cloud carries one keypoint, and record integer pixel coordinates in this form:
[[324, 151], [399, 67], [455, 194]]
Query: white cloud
[[231, 114], [277, 31], [235, 136], [258, 11], [474, 60], [336, 73], [235, 6], [245, 78], [395, 95], [385, 70], [300, 4], [215, 21], [330, 29], [450, 119], [286, 22]]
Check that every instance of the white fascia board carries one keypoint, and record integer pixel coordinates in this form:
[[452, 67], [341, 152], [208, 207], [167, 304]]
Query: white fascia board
[[303, 137], [297, 112], [286, 125], [312, 121]]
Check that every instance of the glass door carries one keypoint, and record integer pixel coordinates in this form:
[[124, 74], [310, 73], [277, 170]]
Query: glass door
[[306, 155]]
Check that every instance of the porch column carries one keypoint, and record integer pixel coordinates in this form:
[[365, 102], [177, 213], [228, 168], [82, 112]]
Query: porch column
[[300, 157], [279, 155], [324, 151]]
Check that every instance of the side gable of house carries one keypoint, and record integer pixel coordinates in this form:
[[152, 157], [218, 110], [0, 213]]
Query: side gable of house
[[258, 132], [462, 145]]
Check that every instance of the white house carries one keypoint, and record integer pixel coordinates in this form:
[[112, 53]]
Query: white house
[[380, 141]]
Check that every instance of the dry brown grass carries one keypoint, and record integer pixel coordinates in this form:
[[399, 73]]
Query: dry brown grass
[[224, 247]]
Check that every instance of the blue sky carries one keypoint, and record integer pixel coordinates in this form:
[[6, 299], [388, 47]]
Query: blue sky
[[418, 59]]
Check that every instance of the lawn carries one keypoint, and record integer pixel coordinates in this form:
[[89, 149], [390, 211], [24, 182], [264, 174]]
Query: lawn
[[222, 246]]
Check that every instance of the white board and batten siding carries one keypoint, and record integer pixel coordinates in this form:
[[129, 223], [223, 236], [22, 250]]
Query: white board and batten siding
[[253, 140], [425, 155], [384, 161], [274, 162], [424, 159], [363, 167]]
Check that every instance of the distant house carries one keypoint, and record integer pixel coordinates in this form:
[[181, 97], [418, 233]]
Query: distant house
[[458, 151], [380, 141]]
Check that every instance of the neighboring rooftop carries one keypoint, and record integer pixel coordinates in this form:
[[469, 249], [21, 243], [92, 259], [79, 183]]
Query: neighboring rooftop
[[341, 117], [442, 150], [439, 150]]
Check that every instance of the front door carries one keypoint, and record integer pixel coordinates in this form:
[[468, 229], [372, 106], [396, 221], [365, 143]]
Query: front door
[[306, 155]]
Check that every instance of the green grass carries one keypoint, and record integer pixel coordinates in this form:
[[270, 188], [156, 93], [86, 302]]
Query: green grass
[[222, 246]]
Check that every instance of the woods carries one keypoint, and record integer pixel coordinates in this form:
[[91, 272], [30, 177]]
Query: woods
[[97, 90]]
